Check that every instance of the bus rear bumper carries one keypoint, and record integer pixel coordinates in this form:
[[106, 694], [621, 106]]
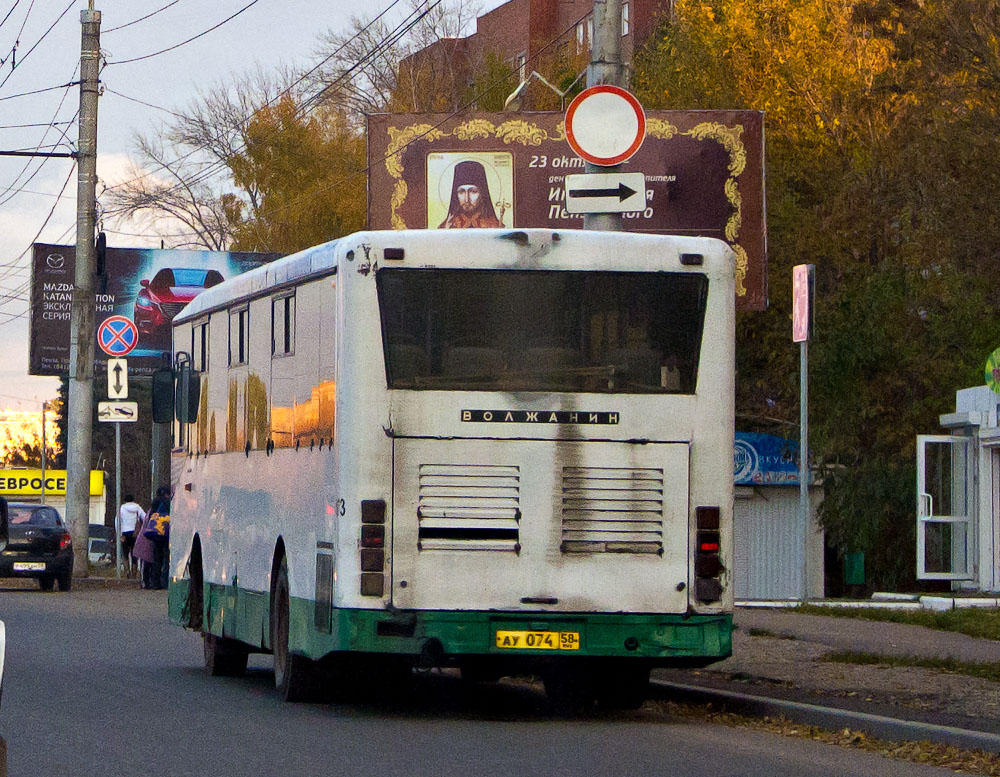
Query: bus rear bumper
[[449, 636]]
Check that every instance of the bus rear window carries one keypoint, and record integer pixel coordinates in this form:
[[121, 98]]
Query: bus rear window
[[522, 330]]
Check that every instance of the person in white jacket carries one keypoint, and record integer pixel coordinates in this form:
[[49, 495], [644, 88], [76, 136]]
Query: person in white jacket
[[130, 516]]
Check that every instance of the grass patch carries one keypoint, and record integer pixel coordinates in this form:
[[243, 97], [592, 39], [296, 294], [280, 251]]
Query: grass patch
[[986, 671], [756, 632], [974, 621]]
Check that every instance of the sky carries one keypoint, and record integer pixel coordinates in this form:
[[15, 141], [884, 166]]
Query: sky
[[268, 34]]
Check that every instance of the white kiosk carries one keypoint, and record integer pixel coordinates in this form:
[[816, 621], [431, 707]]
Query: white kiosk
[[958, 495]]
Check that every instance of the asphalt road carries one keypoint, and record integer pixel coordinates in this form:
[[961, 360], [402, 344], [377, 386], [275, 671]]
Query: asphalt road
[[98, 683]]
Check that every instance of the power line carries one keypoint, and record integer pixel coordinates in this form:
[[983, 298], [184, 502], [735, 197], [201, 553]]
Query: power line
[[410, 21], [449, 117], [39, 91], [44, 35], [25, 126], [5, 18], [286, 90], [44, 224], [141, 18], [185, 42], [142, 102]]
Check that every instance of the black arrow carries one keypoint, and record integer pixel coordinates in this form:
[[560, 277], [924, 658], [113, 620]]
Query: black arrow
[[118, 378], [622, 192]]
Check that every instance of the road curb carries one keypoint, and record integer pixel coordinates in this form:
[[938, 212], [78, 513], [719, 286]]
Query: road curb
[[894, 729]]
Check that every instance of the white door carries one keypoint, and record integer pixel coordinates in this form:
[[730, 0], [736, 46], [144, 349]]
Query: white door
[[945, 485]]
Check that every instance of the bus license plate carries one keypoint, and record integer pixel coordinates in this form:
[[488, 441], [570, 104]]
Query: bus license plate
[[538, 640], [29, 566]]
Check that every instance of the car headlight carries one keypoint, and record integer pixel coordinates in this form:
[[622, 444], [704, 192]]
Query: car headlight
[[142, 300]]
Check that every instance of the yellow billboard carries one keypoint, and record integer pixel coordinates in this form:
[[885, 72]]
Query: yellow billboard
[[28, 482]]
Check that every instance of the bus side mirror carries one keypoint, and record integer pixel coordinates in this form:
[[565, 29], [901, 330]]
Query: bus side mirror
[[187, 393], [163, 397]]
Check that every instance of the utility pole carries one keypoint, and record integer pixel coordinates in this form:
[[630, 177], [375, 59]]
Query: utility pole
[[81, 345], [605, 68]]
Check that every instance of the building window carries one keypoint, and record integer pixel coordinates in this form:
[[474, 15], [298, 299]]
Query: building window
[[590, 31], [522, 67], [625, 27], [199, 347], [581, 36], [239, 336], [283, 325]]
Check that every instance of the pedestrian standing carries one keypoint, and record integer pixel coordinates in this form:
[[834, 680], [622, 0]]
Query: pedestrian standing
[[130, 515], [157, 529], [144, 554]]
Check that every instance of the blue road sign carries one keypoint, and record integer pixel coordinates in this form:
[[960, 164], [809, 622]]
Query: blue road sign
[[117, 336]]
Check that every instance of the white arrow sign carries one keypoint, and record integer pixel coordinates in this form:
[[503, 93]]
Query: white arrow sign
[[117, 379], [605, 192], [118, 412]]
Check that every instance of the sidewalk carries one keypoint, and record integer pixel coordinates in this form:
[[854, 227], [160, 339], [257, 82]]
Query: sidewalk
[[790, 670]]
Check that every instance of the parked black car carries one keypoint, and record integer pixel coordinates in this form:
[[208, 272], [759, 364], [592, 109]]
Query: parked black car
[[38, 545]]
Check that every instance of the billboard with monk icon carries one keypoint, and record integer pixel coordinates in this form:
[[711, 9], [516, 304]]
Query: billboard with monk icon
[[703, 170]]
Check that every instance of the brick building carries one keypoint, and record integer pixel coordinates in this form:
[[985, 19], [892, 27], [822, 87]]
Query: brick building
[[531, 35]]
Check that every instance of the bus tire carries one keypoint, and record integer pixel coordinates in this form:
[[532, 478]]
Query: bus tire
[[294, 675], [194, 607], [623, 687], [224, 657]]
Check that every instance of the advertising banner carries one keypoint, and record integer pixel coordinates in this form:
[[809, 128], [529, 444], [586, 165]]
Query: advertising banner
[[765, 460], [138, 296], [703, 170]]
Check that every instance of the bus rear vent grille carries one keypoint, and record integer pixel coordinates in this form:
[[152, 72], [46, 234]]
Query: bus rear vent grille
[[469, 507], [612, 510]]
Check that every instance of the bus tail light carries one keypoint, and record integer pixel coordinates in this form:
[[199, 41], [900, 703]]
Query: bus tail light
[[707, 561], [373, 547]]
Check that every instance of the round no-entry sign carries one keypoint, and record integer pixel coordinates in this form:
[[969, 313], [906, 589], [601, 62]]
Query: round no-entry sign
[[605, 125], [117, 336]]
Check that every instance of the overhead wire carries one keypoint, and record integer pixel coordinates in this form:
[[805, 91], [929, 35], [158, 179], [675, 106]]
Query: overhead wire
[[27, 126], [45, 134], [143, 102], [39, 91], [446, 119], [140, 19], [5, 18], [45, 223], [14, 67], [410, 21], [185, 42], [217, 165]]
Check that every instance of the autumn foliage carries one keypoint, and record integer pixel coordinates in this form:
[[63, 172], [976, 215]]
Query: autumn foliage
[[881, 120]]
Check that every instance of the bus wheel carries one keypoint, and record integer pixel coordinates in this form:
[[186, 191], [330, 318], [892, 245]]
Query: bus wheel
[[294, 675], [623, 688], [224, 657], [194, 607], [570, 688]]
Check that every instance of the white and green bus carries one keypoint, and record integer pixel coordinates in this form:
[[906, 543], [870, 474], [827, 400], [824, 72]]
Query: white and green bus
[[510, 452]]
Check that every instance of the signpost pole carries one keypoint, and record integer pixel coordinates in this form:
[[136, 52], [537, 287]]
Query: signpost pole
[[804, 461], [45, 405], [605, 68], [118, 498], [803, 285]]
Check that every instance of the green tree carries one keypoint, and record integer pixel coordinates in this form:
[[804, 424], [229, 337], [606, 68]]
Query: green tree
[[309, 175]]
